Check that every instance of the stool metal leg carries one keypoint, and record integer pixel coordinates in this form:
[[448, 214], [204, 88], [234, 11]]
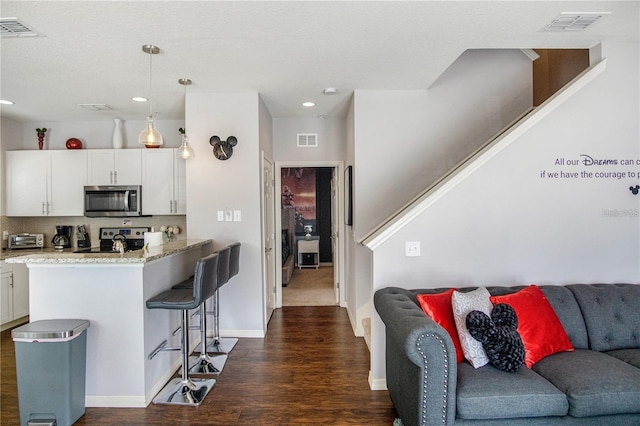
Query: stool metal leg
[[219, 345], [184, 390], [203, 363]]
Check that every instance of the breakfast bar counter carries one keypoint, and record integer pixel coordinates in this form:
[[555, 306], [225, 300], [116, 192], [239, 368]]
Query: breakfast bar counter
[[110, 290]]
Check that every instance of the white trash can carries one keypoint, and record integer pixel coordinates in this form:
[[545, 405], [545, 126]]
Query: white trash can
[[51, 370]]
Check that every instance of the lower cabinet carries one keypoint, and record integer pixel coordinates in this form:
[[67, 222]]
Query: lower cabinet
[[14, 294]]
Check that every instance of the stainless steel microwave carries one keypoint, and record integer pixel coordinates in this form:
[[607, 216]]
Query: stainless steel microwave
[[113, 201]]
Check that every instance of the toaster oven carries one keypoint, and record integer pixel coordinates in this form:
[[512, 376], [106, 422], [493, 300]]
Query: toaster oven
[[26, 241]]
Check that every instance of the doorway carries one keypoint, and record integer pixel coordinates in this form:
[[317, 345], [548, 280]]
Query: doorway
[[292, 226]]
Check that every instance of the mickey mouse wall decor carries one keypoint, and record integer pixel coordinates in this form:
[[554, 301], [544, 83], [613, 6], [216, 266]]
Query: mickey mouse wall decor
[[634, 189], [223, 150]]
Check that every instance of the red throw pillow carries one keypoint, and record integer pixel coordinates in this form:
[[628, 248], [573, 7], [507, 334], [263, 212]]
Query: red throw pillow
[[541, 331], [438, 307]]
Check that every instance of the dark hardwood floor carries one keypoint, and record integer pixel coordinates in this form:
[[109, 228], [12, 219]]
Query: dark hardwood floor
[[309, 369]]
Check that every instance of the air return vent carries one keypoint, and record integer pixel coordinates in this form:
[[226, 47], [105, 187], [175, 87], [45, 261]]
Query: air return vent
[[574, 21], [307, 140], [11, 27]]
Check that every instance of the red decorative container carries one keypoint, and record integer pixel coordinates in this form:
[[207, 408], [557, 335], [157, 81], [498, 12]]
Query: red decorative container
[[74, 143]]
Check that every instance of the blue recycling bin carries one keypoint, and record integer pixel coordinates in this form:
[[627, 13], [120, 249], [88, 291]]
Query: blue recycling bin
[[51, 371]]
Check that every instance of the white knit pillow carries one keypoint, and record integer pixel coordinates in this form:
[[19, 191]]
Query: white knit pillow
[[462, 304]]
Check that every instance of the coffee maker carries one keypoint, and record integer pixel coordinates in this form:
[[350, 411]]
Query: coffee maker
[[62, 239]]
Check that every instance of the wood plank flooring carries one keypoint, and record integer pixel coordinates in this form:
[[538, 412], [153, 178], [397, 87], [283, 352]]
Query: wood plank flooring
[[309, 369]]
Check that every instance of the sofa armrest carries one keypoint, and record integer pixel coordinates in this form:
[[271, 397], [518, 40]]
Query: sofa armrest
[[421, 363]]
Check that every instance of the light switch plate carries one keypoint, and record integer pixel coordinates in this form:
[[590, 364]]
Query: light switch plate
[[228, 215], [220, 215], [412, 248], [237, 216]]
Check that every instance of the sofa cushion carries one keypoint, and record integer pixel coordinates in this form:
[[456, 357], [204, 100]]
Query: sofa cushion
[[610, 313], [438, 307], [568, 311], [630, 356], [488, 393], [595, 383], [541, 331], [462, 304]]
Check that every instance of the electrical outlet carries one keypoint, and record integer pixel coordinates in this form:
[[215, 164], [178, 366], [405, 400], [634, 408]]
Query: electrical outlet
[[412, 248], [228, 215], [5, 235], [220, 215], [237, 216]]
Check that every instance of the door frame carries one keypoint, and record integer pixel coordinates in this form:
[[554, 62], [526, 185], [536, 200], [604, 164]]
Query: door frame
[[339, 165], [268, 276]]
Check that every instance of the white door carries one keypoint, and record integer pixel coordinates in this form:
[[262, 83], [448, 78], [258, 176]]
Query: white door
[[335, 235], [268, 231], [128, 167]]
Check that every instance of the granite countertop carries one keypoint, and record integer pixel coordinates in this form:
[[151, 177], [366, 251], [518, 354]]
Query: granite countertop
[[51, 256]]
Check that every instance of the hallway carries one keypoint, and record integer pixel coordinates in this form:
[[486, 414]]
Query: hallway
[[309, 369], [310, 287]]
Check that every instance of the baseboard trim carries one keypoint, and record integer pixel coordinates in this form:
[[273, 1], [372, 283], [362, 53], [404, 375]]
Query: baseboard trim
[[377, 384]]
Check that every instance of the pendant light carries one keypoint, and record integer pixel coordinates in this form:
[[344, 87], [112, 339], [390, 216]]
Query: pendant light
[[185, 150], [150, 137]]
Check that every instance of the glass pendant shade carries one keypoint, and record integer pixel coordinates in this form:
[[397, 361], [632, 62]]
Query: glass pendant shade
[[185, 150], [150, 136]]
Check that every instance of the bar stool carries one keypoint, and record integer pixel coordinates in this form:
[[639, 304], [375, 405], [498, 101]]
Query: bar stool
[[226, 344], [185, 390], [204, 363]]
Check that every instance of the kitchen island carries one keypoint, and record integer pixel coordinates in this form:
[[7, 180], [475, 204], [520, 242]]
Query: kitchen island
[[110, 290]]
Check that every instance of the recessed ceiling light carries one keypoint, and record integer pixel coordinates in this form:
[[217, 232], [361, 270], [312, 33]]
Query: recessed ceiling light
[[308, 104], [330, 91], [6, 102], [140, 99]]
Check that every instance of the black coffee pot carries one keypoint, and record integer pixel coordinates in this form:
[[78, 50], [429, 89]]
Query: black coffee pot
[[62, 239]]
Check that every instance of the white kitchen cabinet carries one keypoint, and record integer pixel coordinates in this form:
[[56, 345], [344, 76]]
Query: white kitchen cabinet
[[45, 183], [163, 182], [114, 167], [14, 293]]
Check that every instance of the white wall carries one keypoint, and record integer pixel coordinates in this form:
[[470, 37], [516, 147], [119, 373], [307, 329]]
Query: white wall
[[234, 184], [97, 134], [507, 225], [405, 140], [331, 139]]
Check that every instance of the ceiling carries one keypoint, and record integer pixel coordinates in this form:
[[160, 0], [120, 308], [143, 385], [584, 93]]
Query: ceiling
[[90, 52]]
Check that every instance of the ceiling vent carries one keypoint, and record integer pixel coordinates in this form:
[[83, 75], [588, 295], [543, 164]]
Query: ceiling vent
[[96, 107], [307, 140], [11, 27], [574, 21]]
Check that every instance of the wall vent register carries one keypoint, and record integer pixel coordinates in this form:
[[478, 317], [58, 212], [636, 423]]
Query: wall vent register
[[307, 140]]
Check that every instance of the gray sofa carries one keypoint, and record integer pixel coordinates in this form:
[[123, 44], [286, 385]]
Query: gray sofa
[[596, 384]]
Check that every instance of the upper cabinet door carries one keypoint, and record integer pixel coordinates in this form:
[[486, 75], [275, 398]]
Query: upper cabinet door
[[68, 178], [114, 167], [128, 166], [157, 181], [26, 183]]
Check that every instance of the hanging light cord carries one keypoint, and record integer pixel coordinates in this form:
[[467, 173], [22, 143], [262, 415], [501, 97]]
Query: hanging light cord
[[150, 84]]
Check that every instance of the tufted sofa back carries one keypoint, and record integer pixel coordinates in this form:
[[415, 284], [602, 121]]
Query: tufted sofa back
[[610, 313]]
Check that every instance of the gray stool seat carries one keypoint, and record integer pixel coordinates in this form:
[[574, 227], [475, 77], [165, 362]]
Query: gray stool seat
[[185, 390]]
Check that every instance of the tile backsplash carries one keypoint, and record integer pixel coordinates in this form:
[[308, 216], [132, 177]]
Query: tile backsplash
[[47, 225]]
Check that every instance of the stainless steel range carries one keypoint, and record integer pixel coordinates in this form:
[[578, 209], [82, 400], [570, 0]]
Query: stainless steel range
[[132, 237]]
